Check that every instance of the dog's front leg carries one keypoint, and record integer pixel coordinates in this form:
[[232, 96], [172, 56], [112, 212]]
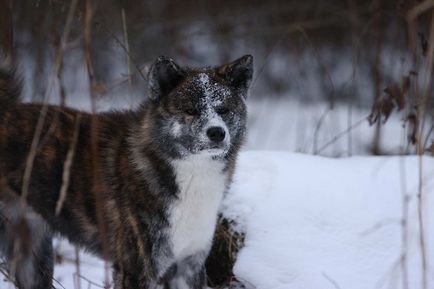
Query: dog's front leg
[[132, 276], [190, 273]]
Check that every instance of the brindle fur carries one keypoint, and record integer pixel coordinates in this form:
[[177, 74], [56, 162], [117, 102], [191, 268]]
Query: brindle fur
[[130, 180]]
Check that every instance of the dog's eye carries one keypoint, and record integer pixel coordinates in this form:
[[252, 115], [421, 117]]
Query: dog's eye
[[191, 111], [222, 110]]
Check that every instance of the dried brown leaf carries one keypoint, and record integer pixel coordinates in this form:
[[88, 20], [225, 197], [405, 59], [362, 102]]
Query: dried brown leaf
[[423, 43], [382, 108], [430, 149], [405, 84], [396, 94], [413, 122]]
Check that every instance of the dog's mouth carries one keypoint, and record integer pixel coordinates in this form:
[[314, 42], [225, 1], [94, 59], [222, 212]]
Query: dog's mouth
[[214, 149], [205, 148], [217, 147]]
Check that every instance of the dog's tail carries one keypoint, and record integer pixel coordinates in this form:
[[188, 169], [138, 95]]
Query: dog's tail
[[10, 86]]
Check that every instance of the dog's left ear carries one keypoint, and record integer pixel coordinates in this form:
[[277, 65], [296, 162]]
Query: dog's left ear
[[238, 73], [164, 75]]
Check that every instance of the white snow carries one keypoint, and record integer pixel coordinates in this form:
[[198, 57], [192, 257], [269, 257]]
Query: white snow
[[318, 223], [213, 92], [313, 222]]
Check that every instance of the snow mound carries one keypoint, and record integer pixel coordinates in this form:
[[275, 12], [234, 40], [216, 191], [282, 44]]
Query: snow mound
[[319, 223]]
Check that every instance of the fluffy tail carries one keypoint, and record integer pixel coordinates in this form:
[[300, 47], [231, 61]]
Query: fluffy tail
[[10, 87]]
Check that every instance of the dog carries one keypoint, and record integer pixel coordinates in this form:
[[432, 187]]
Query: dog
[[140, 188]]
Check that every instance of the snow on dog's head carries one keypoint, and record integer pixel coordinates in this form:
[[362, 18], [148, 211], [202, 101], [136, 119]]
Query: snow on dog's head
[[200, 111]]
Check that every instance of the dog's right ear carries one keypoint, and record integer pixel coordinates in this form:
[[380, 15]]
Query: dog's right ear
[[164, 75]]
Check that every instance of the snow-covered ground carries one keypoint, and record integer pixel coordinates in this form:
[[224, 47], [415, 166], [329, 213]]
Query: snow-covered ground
[[317, 223]]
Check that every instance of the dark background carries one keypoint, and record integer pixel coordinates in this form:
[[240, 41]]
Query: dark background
[[329, 52]]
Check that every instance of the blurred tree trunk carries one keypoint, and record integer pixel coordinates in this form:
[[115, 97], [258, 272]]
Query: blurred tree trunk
[[377, 74], [6, 31]]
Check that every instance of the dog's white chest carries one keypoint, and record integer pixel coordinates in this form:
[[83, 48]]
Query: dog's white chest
[[193, 215]]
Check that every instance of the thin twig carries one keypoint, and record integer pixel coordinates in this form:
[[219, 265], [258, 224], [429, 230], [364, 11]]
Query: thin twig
[[8, 278], [341, 134], [288, 29], [317, 130], [90, 281], [97, 182], [322, 66], [77, 265], [121, 44], [67, 166], [427, 136], [380, 225], [421, 150], [331, 280], [127, 46]]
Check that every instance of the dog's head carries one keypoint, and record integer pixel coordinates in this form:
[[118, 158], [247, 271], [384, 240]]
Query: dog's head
[[200, 111]]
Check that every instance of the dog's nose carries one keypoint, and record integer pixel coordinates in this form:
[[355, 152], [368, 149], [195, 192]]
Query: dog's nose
[[216, 133]]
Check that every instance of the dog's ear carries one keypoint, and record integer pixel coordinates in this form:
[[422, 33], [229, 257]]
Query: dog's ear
[[238, 73], [164, 75]]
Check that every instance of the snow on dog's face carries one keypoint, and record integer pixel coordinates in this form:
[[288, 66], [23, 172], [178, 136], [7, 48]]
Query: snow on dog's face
[[200, 111]]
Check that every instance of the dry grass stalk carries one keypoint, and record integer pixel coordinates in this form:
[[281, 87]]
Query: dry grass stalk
[[39, 126], [67, 166], [123, 46], [421, 150], [127, 46], [77, 266], [97, 188], [377, 75], [341, 134], [226, 245]]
